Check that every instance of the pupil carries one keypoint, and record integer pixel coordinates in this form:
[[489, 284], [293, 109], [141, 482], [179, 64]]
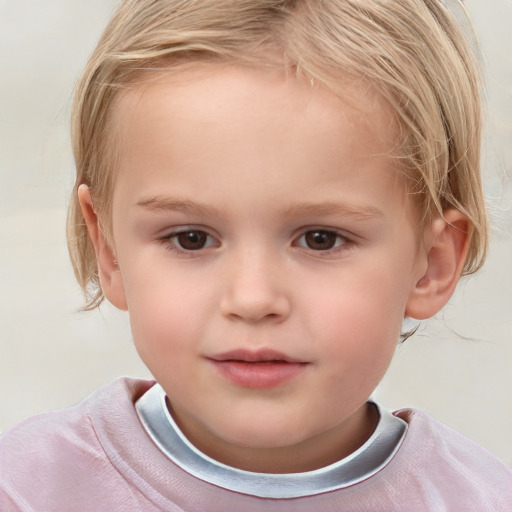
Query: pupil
[[321, 240], [192, 240]]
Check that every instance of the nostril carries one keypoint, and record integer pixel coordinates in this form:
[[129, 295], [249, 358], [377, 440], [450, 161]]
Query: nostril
[[251, 310]]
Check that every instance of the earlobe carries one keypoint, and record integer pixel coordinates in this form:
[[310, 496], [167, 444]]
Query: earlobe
[[446, 254], [111, 280]]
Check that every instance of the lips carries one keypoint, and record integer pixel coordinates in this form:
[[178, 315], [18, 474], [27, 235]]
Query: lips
[[262, 369], [257, 356]]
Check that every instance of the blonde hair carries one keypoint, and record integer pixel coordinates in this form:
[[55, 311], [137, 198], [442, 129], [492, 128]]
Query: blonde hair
[[411, 51]]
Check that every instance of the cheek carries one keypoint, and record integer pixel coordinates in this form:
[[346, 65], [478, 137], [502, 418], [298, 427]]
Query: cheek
[[360, 320], [362, 302], [165, 311]]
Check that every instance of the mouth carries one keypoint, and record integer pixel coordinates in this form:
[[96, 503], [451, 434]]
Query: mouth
[[257, 356], [262, 369]]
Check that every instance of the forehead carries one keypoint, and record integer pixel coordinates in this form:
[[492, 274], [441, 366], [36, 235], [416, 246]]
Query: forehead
[[201, 90], [217, 124], [198, 89]]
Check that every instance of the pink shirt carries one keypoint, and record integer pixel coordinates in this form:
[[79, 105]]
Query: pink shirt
[[97, 457]]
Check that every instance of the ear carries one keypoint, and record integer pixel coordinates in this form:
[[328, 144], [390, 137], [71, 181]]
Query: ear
[[447, 247], [111, 280]]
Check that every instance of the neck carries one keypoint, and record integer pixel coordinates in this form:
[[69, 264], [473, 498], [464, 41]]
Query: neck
[[369, 459], [314, 453]]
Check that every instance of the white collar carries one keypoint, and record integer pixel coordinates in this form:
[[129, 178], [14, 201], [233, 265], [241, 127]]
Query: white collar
[[367, 460]]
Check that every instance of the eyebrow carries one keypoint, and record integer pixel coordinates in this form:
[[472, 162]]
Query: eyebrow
[[163, 204], [355, 212]]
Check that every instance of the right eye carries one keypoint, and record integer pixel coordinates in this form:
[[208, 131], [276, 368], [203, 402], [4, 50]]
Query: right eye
[[322, 240], [189, 240]]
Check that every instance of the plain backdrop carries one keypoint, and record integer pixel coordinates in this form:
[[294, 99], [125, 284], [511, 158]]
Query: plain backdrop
[[458, 368]]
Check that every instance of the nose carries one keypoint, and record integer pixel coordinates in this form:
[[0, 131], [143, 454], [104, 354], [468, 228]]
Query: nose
[[255, 290]]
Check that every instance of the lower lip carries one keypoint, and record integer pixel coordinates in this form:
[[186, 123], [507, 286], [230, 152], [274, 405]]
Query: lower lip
[[259, 375]]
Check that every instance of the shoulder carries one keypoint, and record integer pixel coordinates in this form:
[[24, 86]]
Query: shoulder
[[61, 450], [446, 462], [73, 428]]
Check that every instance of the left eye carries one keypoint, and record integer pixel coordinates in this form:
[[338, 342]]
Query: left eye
[[192, 239], [321, 240]]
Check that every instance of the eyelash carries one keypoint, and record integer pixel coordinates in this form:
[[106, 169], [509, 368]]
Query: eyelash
[[171, 244], [340, 243]]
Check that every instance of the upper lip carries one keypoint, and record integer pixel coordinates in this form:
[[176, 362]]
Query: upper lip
[[255, 356]]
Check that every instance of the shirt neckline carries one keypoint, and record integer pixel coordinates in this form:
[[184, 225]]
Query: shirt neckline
[[365, 462]]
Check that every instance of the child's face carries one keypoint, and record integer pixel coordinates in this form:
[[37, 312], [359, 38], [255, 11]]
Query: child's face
[[267, 255]]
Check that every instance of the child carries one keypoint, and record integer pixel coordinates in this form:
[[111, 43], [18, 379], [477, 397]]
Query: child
[[268, 188]]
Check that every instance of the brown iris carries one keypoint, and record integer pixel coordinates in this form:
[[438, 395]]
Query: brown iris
[[321, 240], [191, 240]]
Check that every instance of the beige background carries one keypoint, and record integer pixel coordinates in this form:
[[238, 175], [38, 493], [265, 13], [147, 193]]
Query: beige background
[[459, 368]]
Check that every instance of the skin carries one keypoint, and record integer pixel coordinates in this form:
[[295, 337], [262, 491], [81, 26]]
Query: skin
[[225, 175]]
